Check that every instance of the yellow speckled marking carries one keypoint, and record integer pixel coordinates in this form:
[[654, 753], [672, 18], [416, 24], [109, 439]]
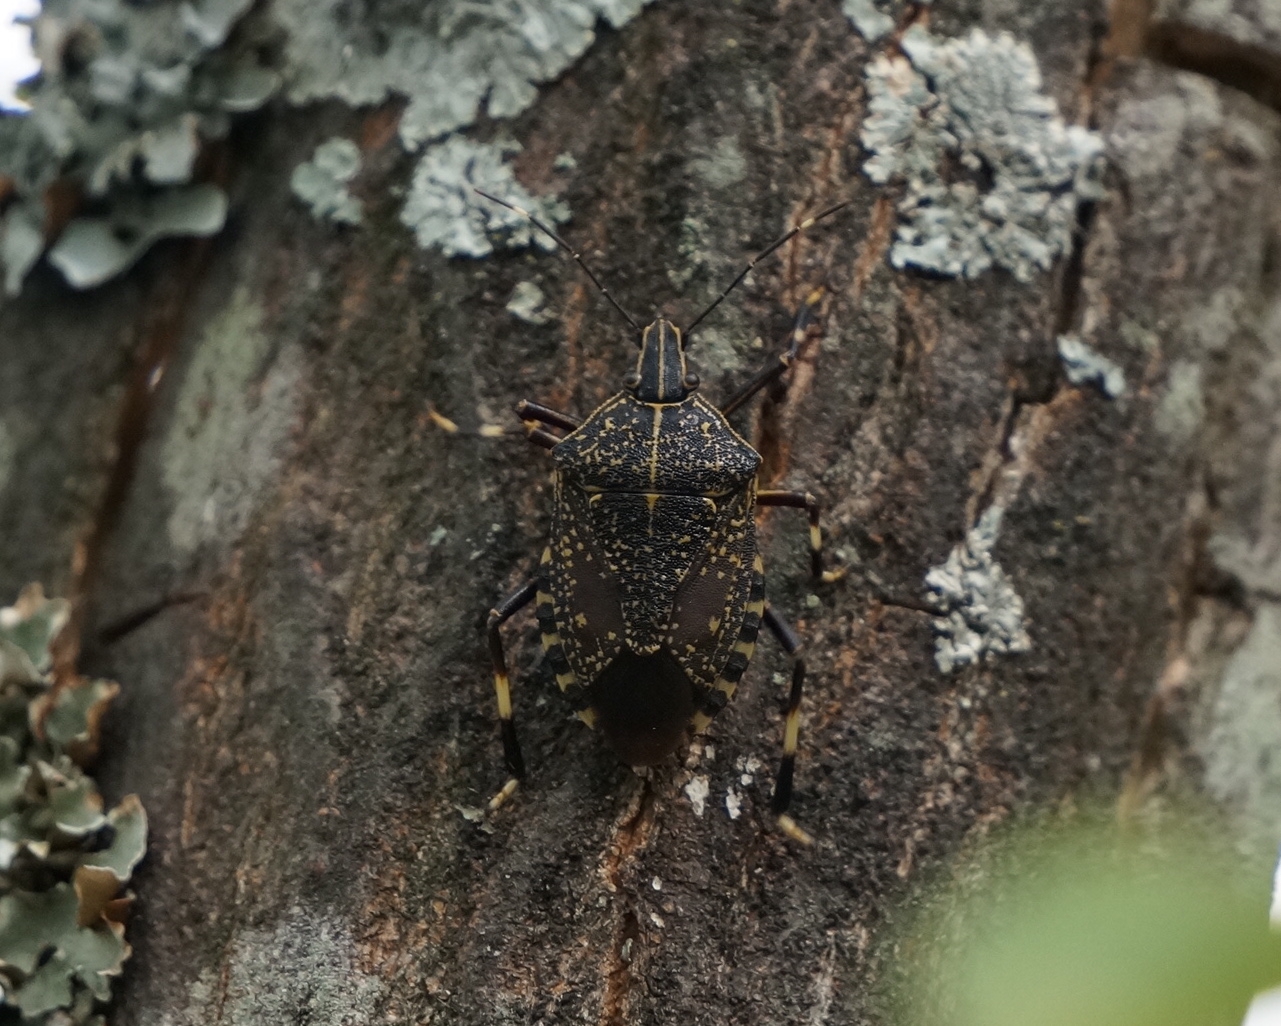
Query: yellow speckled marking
[[588, 716]]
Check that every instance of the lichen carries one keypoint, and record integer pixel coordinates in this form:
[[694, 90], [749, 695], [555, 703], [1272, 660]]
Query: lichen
[[1181, 409], [95, 249], [1084, 366], [126, 96], [65, 865], [321, 182], [869, 18], [231, 418], [444, 210], [527, 304], [981, 613], [449, 59], [990, 174], [1240, 748]]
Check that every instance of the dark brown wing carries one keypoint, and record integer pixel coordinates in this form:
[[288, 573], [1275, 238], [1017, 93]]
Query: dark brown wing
[[718, 607]]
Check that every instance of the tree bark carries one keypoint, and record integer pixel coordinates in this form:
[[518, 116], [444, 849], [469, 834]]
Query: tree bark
[[309, 732]]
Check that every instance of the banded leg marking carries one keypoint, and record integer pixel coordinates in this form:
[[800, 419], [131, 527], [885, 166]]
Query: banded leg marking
[[807, 502], [775, 370], [498, 616], [782, 800]]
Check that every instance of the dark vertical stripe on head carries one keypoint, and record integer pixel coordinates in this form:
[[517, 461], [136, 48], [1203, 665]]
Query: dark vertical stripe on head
[[661, 365]]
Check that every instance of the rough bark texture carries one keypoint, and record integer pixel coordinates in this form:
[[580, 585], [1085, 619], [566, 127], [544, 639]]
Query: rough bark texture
[[305, 734]]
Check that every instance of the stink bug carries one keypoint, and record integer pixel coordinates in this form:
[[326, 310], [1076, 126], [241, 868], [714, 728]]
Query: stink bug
[[651, 591]]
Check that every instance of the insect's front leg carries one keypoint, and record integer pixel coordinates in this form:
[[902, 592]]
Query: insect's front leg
[[775, 370], [807, 502], [782, 800], [533, 414], [498, 616]]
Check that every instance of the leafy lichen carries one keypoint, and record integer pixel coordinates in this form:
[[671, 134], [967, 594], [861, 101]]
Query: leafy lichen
[[452, 61], [126, 95], [991, 175], [1084, 366], [65, 865], [449, 59], [321, 182], [445, 212], [981, 613]]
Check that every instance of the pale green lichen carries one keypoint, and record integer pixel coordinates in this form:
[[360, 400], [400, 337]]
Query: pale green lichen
[[321, 182], [126, 96], [981, 613], [445, 212], [1084, 366], [875, 19], [452, 61], [319, 979], [64, 864], [230, 423], [1181, 408], [1241, 746], [94, 249], [990, 174], [528, 304], [449, 59]]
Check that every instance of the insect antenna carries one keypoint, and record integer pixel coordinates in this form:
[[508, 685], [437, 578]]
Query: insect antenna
[[807, 223], [568, 249]]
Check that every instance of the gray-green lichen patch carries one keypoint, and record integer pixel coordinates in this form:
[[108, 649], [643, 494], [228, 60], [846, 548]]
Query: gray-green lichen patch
[[1242, 749], [92, 250], [981, 611], [230, 423], [126, 95], [990, 174], [721, 166], [528, 304], [448, 58], [1084, 366], [1181, 408], [65, 865], [321, 182], [870, 18], [445, 212], [303, 969]]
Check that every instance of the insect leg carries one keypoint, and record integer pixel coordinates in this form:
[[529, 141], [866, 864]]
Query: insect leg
[[533, 414], [783, 782], [775, 370], [526, 410], [807, 502], [499, 615]]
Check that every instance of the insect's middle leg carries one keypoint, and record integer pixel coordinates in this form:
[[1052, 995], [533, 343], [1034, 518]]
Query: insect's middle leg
[[782, 800], [775, 370], [498, 616], [807, 502]]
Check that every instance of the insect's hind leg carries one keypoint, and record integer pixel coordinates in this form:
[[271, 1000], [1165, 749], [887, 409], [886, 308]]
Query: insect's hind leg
[[498, 616], [782, 800], [775, 370]]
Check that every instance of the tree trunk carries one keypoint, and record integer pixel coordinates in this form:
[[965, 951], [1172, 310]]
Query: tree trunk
[[309, 733]]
